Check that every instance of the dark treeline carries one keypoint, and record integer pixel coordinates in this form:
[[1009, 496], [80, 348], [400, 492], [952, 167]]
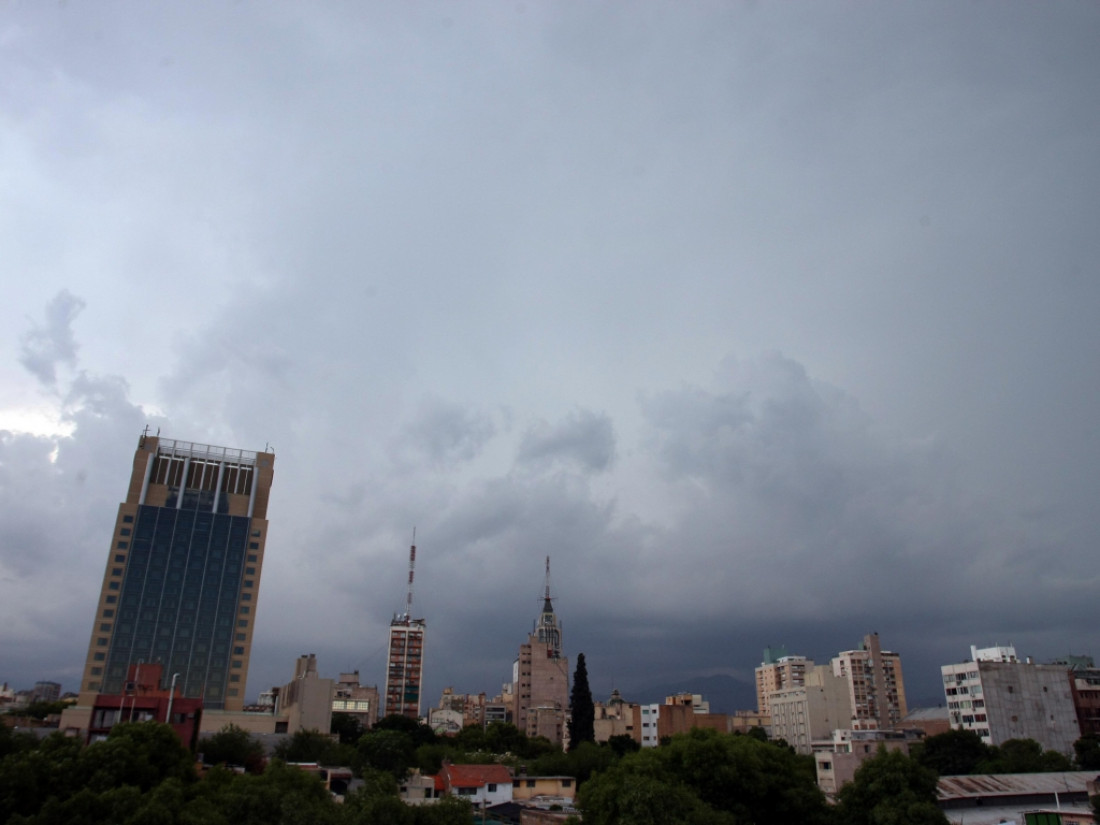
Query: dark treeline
[[142, 775]]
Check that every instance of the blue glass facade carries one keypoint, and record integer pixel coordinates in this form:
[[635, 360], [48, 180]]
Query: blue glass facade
[[180, 598]]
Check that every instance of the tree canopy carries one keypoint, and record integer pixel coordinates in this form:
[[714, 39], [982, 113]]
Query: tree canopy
[[582, 726]]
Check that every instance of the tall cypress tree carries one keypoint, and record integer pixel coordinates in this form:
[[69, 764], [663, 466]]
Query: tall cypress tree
[[582, 721]]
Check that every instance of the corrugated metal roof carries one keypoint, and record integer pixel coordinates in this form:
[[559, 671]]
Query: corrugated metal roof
[[1013, 784]]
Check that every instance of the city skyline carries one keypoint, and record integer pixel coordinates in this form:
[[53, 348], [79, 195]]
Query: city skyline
[[770, 323]]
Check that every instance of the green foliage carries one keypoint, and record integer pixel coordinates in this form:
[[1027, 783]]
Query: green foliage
[[1087, 751], [390, 750], [309, 746], [347, 727], [142, 754], [706, 777], [623, 743], [891, 788], [581, 762], [1023, 756], [233, 746], [447, 811], [420, 733], [954, 753], [582, 710]]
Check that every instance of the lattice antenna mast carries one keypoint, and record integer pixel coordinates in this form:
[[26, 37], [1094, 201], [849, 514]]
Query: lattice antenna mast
[[547, 597], [412, 570]]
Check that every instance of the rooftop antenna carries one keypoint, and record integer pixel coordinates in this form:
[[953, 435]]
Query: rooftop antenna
[[547, 597]]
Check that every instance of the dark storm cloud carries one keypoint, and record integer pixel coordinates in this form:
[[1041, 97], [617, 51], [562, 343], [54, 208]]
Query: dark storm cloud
[[584, 439], [385, 245], [51, 342]]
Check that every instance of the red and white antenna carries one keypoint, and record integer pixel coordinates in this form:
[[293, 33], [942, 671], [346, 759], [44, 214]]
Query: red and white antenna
[[412, 569]]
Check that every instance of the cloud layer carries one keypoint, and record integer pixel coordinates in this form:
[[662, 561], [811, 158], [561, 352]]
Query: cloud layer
[[767, 324]]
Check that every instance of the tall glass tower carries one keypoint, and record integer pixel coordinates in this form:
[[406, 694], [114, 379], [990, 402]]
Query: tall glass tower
[[183, 572]]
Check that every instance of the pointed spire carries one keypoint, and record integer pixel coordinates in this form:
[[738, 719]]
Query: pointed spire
[[548, 631]]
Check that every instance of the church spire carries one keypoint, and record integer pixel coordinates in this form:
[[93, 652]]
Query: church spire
[[548, 631]]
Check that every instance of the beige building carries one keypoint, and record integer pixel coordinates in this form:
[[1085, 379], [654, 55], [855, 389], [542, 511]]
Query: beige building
[[181, 584], [838, 759], [801, 715], [616, 718], [876, 688], [356, 699], [541, 677], [779, 671]]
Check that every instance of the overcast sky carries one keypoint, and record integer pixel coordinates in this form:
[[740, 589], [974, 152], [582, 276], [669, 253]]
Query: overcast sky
[[770, 323]]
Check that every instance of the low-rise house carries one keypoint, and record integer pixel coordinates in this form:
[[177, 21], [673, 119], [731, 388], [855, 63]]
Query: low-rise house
[[556, 788], [480, 784]]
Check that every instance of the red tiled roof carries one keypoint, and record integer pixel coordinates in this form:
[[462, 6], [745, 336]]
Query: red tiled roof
[[475, 776]]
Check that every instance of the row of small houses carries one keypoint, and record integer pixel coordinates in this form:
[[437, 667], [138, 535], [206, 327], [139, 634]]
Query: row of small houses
[[496, 791]]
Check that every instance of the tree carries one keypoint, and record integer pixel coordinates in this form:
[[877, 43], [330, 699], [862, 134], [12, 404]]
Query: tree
[[308, 746], [233, 746], [953, 753], [392, 751], [1087, 750], [891, 788], [421, 734], [712, 777], [347, 727], [1023, 756], [583, 711]]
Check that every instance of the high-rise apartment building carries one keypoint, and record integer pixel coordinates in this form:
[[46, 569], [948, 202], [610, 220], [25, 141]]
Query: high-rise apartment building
[[183, 573], [779, 671], [875, 685], [405, 666], [998, 697], [405, 659], [541, 677]]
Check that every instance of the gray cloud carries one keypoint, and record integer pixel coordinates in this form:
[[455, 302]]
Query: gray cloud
[[51, 342], [583, 439], [385, 245]]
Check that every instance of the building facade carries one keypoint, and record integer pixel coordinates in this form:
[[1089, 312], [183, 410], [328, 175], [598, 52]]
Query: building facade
[[998, 697], [779, 671], [182, 579], [876, 687], [811, 712], [541, 677], [405, 666]]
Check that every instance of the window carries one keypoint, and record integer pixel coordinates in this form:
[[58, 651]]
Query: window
[[253, 557], [238, 663], [122, 545], [125, 531], [108, 614], [492, 787], [245, 610], [112, 599], [99, 657], [246, 597], [238, 651], [236, 677], [119, 558], [101, 641], [255, 534], [234, 692], [249, 571], [248, 582], [242, 623], [105, 627], [112, 586], [116, 571], [241, 637], [253, 545], [567, 783], [128, 519]]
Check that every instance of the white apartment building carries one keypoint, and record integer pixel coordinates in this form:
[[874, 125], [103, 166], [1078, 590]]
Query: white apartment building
[[998, 697]]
